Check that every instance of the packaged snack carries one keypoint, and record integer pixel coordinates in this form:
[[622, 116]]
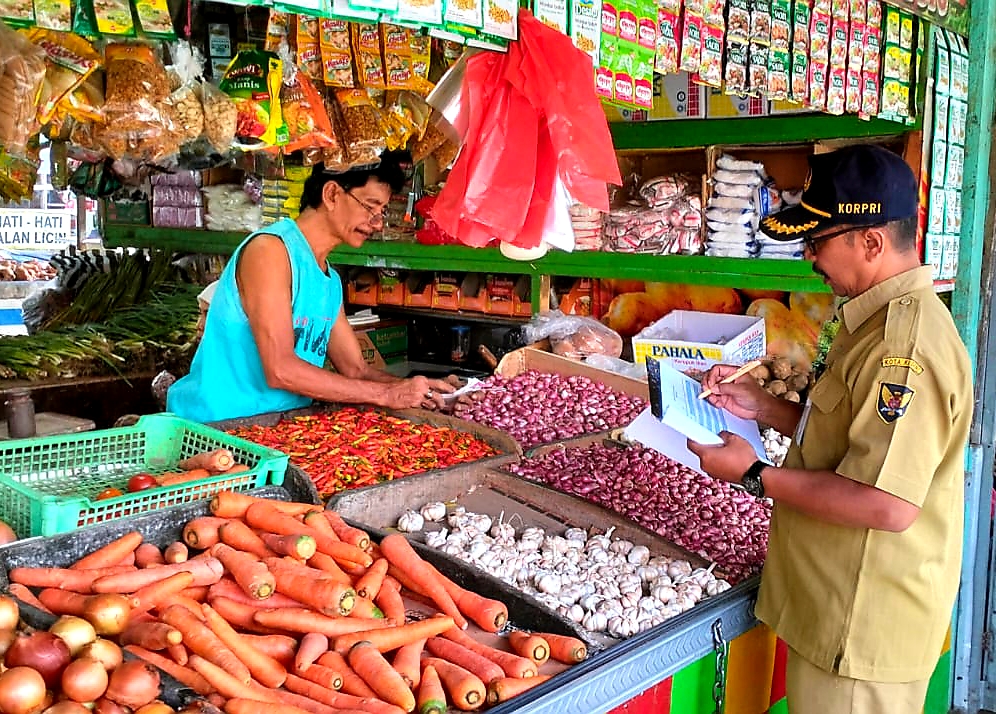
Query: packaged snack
[[337, 60], [856, 46], [872, 60], [586, 28], [396, 41], [836, 91], [942, 73], [17, 13], [430, 12], [114, 17], [221, 117], [800, 77], [69, 60], [892, 22], [182, 106], [646, 19], [838, 45], [714, 12], [873, 13], [819, 34], [817, 84], [154, 19], [736, 68], [277, 30], [957, 121], [738, 21], [821, 6], [361, 127], [666, 55], [801, 14], [468, 13], [604, 73], [308, 30], [86, 102], [853, 91], [552, 13], [54, 14], [778, 73], [691, 42], [955, 166], [781, 24], [839, 9], [622, 81], [906, 30], [309, 59], [643, 78], [366, 52], [870, 93], [942, 108], [253, 82], [959, 75], [22, 72], [757, 69], [859, 10], [760, 20], [711, 73], [303, 111], [895, 99], [421, 48]]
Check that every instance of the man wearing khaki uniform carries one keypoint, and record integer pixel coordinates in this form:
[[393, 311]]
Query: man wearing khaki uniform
[[865, 545]]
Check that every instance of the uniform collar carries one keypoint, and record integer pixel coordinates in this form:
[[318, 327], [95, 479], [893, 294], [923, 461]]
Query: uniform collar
[[857, 310]]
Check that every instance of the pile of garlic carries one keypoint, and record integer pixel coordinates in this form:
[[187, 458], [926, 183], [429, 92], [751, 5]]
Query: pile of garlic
[[776, 445], [604, 584]]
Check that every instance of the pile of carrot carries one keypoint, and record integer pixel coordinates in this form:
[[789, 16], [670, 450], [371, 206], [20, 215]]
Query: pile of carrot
[[270, 607]]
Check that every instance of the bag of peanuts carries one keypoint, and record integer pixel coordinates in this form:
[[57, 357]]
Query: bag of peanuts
[[22, 71], [361, 131], [183, 107]]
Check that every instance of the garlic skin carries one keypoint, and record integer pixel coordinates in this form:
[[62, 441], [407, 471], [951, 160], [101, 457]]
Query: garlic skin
[[410, 522], [436, 539], [594, 621], [434, 511], [638, 555]]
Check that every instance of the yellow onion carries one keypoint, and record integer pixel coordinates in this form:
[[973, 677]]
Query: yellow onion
[[9, 614], [134, 684], [107, 612], [76, 632], [84, 680], [104, 651], [22, 691]]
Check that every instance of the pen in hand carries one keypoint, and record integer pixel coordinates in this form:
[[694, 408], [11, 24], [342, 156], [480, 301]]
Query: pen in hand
[[733, 377]]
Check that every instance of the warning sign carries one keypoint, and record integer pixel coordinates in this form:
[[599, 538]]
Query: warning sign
[[35, 229]]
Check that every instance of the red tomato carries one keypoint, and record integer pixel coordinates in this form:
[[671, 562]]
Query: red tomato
[[140, 482], [109, 493]]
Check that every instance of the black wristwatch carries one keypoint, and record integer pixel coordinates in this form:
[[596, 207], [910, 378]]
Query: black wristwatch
[[751, 480]]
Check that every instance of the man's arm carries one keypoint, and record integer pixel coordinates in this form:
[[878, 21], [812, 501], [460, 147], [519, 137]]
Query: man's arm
[[265, 266], [345, 353]]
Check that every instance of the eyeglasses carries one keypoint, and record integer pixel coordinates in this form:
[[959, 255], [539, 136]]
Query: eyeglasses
[[376, 216], [812, 243]]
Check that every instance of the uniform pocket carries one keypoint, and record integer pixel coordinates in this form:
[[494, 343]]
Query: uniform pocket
[[827, 393]]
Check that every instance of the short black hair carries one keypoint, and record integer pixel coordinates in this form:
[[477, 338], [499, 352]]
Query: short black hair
[[904, 233], [388, 171]]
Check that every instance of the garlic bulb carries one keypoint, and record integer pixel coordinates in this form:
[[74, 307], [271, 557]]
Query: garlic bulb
[[594, 622], [480, 521], [458, 517], [410, 522], [647, 573], [502, 531], [575, 613], [664, 593], [621, 546], [576, 534], [548, 583], [638, 555], [679, 567], [716, 587], [436, 539], [434, 511]]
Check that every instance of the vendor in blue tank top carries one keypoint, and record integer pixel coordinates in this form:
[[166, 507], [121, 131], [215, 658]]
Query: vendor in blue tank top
[[277, 313]]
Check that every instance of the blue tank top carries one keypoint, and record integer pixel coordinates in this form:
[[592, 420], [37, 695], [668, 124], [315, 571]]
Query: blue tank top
[[226, 377]]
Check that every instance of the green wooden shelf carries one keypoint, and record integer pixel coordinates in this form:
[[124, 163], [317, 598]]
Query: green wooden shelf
[[788, 129], [758, 274]]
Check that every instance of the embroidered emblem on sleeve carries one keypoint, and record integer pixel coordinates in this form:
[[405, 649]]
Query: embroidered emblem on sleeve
[[893, 401], [911, 364]]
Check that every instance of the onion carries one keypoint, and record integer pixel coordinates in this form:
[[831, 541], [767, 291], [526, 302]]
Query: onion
[[106, 706], [108, 613], [104, 651], [7, 638], [156, 707], [84, 680], [9, 614], [76, 632], [22, 691], [43, 652], [7, 534], [67, 706], [134, 684]]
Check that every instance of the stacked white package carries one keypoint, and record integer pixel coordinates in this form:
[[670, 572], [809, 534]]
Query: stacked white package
[[587, 225], [742, 195]]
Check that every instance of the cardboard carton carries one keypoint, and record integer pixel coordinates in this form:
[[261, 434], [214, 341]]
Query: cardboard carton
[[698, 340]]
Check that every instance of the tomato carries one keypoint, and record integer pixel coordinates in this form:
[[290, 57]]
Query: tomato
[[140, 482], [109, 493]]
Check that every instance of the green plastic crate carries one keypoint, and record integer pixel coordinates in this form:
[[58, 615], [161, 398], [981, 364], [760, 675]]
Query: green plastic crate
[[48, 484]]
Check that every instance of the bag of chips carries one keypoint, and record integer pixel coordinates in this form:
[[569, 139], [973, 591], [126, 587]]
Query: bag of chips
[[253, 81]]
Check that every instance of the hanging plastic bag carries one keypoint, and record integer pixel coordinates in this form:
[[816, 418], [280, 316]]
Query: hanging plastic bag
[[573, 336], [22, 71], [183, 107], [69, 60]]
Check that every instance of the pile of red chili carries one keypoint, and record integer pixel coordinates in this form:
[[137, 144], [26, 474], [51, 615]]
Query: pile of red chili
[[353, 447]]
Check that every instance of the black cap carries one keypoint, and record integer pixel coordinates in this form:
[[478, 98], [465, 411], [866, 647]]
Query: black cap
[[861, 185]]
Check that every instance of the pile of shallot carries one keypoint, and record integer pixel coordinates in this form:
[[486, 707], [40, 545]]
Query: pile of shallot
[[699, 513], [539, 408]]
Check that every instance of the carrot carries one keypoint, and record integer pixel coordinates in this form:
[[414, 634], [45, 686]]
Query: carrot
[[150, 634], [390, 602], [201, 640], [25, 595], [569, 650], [501, 690], [346, 532], [391, 580], [111, 554], [227, 684], [216, 461], [185, 602], [279, 647], [206, 571], [267, 518], [63, 602], [324, 676], [264, 668], [431, 696], [351, 681], [533, 647], [312, 646], [407, 662], [362, 607], [214, 699], [176, 552], [301, 547], [238, 705], [401, 555], [478, 665], [490, 615], [512, 665], [322, 593], [252, 575], [226, 587], [316, 519], [300, 620], [179, 654], [374, 550], [327, 564], [237, 468], [241, 537], [197, 593], [202, 533], [229, 504], [377, 672], [148, 555], [242, 615], [177, 479], [466, 691], [369, 585], [391, 638], [80, 581], [149, 596], [309, 704], [180, 673], [343, 703]]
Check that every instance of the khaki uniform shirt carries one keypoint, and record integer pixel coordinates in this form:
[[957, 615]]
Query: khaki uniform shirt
[[893, 411]]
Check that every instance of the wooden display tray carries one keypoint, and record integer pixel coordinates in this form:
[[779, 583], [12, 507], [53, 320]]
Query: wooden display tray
[[527, 358]]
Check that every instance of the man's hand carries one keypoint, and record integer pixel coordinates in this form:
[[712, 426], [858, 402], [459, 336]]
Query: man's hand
[[743, 398], [417, 392], [727, 462]]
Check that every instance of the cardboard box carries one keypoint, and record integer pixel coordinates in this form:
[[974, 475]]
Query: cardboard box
[[362, 288], [446, 292], [527, 358], [390, 288], [702, 339], [501, 289], [474, 292], [522, 297], [383, 343], [418, 290]]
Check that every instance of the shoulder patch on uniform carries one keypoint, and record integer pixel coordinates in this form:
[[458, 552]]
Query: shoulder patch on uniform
[[910, 364], [893, 401]]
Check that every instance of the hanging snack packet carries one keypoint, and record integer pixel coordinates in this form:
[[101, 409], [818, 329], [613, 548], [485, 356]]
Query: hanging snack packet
[[818, 84], [711, 73], [396, 41], [304, 113], [337, 60], [22, 72], [757, 69], [309, 59], [643, 78], [134, 123], [366, 51], [779, 62], [69, 60], [691, 42], [738, 21], [819, 33], [86, 102], [54, 14], [253, 81], [361, 127], [17, 13], [735, 77], [221, 117], [183, 107], [114, 18], [307, 29], [668, 33], [277, 30], [800, 77], [421, 47], [760, 21], [154, 19]]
